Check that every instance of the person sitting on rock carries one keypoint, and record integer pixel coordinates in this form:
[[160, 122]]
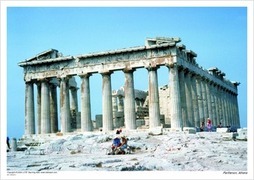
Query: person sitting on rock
[[123, 145], [116, 143]]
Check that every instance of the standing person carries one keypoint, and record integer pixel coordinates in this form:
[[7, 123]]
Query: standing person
[[8, 142], [209, 125], [202, 127], [219, 125]]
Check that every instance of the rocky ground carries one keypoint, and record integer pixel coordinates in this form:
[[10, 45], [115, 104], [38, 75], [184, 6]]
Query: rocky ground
[[170, 151]]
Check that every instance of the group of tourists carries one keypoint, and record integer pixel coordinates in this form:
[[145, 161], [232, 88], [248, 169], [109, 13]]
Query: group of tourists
[[208, 125], [119, 144]]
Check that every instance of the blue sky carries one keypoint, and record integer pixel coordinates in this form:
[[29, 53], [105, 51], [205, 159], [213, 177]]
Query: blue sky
[[217, 34]]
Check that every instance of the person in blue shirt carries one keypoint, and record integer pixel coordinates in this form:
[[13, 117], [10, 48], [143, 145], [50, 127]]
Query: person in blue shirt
[[116, 143]]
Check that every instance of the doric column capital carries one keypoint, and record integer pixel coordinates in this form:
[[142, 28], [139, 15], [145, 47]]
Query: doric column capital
[[151, 68], [30, 81], [106, 73], [189, 73], [63, 78], [42, 80], [128, 70], [38, 83], [173, 65], [87, 75]]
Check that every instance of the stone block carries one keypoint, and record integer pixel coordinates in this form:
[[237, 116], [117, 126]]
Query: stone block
[[222, 130], [189, 130], [175, 129], [155, 131], [228, 136], [59, 134], [242, 134]]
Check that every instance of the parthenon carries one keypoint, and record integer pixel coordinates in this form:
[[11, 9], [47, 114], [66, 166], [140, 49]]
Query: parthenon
[[193, 93]]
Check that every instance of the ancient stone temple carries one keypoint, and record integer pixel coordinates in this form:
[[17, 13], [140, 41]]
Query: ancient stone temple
[[191, 96]]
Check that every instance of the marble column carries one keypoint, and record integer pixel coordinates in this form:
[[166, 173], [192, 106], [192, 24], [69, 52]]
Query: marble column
[[182, 82], [38, 83], [154, 106], [86, 121], [195, 101], [237, 112], [45, 107], [176, 115], [107, 112], [29, 109], [220, 106], [189, 121], [209, 100], [200, 100], [223, 105], [74, 107], [129, 101], [227, 109], [213, 101], [65, 115], [217, 105], [205, 97], [53, 108], [230, 109]]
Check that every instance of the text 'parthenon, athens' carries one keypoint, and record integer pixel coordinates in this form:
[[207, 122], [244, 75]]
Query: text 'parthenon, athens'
[[194, 94]]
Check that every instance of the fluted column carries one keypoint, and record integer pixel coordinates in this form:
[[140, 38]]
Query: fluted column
[[227, 109], [176, 115], [154, 107], [38, 83], [129, 108], [29, 109], [74, 107], [86, 122], [53, 108], [220, 106], [213, 101], [107, 112], [45, 107], [230, 109], [195, 101], [209, 100], [216, 102], [189, 121], [205, 97], [65, 105], [237, 112], [182, 82], [223, 95], [200, 100], [236, 120]]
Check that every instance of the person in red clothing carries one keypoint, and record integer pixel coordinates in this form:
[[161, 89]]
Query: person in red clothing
[[209, 125]]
